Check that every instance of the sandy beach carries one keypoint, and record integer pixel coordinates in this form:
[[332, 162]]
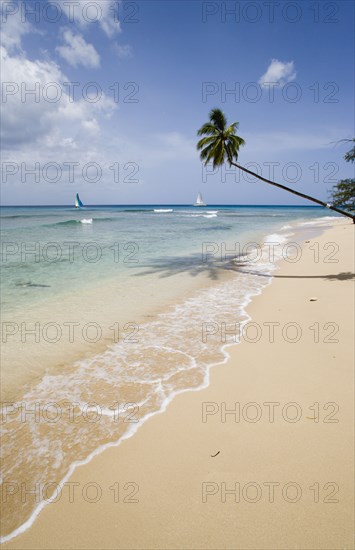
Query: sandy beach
[[177, 219], [277, 473]]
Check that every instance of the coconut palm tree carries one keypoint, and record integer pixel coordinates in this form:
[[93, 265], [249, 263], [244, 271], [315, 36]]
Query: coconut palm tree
[[221, 144]]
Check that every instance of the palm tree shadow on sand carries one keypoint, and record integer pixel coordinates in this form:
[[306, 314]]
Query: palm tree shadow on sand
[[345, 276], [194, 266]]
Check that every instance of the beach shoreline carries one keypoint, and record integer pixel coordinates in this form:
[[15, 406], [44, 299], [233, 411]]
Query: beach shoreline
[[171, 475], [60, 327]]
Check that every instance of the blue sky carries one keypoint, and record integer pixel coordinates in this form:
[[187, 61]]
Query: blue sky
[[172, 61]]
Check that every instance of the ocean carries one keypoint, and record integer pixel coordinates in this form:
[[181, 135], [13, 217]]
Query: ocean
[[108, 312]]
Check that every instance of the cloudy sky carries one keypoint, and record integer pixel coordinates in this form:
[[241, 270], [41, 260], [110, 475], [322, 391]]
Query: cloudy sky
[[104, 98]]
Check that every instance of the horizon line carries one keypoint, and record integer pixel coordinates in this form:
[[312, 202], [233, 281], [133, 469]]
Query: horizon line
[[163, 204]]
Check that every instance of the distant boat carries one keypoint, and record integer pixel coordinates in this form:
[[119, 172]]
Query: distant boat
[[78, 203], [199, 201]]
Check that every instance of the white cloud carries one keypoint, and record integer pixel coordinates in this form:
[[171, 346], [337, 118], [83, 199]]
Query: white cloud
[[12, 27], [123, 50], [77, 51], [86, 12], [36, 121], [278, 72], [109, 22]]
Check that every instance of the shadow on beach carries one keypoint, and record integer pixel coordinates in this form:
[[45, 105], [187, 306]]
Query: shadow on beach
[[345, 276], [192, 265]]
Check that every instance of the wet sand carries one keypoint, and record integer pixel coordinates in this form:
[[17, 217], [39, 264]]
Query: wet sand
[[275, 474]]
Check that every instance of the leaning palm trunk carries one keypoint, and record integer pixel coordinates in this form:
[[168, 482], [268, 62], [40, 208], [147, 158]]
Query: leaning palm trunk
[[294, 192], [221, 144]]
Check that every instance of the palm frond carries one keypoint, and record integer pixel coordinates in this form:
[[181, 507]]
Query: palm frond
[[236, 141], [205, 141], [207, 153], [231, 152], [232, 128], [220, 142], [218, 118], [208, 129]]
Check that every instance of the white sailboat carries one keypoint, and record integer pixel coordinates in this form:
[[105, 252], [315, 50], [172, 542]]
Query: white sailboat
[[199, 201]]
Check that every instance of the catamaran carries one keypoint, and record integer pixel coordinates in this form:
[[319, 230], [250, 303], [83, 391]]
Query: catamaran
[[78, 203], [199, 201]]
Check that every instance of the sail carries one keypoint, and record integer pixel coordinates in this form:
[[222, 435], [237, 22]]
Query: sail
[[78, 203], [199, 201]]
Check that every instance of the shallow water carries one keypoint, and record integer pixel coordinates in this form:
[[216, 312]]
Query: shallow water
[[184, 273]]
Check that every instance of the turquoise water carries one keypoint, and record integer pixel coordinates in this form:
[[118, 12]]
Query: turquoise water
[[48, 251], [63, 265]]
